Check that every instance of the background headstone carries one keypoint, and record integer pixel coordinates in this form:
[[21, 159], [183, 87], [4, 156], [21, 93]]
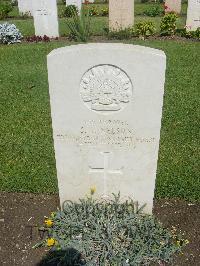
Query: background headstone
[[25, 7], [106, 118], [87, 1], [45, 18], [173, 6], [121, 14], [77, 3], [193, 15]]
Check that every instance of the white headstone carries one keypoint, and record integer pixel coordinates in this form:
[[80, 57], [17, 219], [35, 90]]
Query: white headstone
[[25, 7], [87, 1], [121, 14], [45, 18], [173, 6], [77, 3], [193, 15], [106, 117]]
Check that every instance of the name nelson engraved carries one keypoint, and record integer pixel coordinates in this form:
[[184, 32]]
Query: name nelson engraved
[[115, 133]]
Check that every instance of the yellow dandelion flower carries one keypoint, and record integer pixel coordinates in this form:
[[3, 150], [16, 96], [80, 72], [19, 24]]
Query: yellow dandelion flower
[[51, 242], [48, 222], [92, 190]]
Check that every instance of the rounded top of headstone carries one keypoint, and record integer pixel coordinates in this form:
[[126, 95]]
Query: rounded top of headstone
[[108, 46]]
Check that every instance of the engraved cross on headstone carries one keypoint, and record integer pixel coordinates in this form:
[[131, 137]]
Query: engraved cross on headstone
[[105, 171]]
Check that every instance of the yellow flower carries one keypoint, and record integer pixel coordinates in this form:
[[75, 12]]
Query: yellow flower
[[187, 241], [178, 243], [48, 222], [51, 242], [92, 190]]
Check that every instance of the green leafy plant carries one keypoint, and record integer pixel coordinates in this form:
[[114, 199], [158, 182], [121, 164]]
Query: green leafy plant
[[93, 11], [168, 24], [70, 10], [121, 34], [189, 34], [80, 26], [68, 257], [5, 8], [104, 12], [109, 233], [197, 33], [154, 11], [145, 29]]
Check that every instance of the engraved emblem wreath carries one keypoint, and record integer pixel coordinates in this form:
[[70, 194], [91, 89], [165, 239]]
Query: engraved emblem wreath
[[105, 89]]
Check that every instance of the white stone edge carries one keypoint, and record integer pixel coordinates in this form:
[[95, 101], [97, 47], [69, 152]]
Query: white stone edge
[[114, 46]]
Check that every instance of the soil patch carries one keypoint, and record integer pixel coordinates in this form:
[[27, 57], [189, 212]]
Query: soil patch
[[21, 214], [104, 39]]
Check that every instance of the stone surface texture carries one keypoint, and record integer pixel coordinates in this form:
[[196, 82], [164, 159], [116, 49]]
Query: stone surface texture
[[106, 116], [193, 15], [121, 14], [45, 18], [25, 6], [173, 6]]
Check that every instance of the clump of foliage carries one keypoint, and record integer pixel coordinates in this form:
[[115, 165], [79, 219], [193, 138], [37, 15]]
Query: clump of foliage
[[109, 233], [68, 257], [93, 11], [14, 2], [154, 11], [9, 34], [168, 24], [36, 39], [5, 8], [189, 34], [145, 29], [197, 33], [70, 10], [25, 15], [121, 34], [104, 12], [80, 26]]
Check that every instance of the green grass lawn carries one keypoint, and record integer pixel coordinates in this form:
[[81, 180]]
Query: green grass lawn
[[27, 155]]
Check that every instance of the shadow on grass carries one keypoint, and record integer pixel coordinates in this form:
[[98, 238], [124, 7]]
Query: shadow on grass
[[68, 257]]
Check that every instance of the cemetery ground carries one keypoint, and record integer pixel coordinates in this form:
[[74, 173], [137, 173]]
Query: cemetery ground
[[27, 157]]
